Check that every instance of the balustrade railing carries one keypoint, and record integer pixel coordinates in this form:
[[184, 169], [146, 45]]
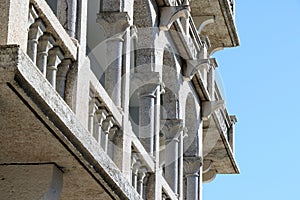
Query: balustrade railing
[[102, 125], [49, 46], [140, 173]]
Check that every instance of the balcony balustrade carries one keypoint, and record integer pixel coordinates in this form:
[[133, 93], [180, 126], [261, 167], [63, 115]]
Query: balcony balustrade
[[50, 48]]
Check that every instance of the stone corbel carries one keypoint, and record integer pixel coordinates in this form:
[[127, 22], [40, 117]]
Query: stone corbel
[[209, 107], [169, 14], [193, 67]]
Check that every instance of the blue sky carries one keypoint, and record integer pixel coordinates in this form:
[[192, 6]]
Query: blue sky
[[261, 80]]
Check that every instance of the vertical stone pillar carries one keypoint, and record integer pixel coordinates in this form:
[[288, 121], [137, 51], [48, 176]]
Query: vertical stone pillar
[[172, 130], [146, 115], [61, 77], [146, 84], [135, 168], [45, 44], [116, 151], [106, 127], [191, 170], [101, 114], [36, 30], [141, 176], [113, 72], [113, 137], [54, 59], [114, 24], [92, 110]]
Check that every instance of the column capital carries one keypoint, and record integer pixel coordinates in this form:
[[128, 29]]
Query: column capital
[[36, 30], [145, 82], [55, 57], [113, 22], [171, 128], [191, 165], [108, 124]]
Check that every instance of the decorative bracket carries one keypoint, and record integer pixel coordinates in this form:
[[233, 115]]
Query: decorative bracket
[[171, 13], [208, 107], [194, 66]]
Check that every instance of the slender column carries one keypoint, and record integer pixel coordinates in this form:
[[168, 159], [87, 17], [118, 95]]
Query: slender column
[[134, 159], [36, 30], [113, 73], [106, 126], [54, 59], [61, 77], [141, 175], [191, 168], [135, 170], [172, 130], [45, 44], [92, 110], [101, 114], [113, 134], [114, 24], [146, 115]]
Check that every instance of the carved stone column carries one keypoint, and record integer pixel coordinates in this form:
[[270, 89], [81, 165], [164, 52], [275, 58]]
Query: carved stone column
[[114, 24], [191, 168], [92, 110], [113, 134], [36, 30], [100, 116], [172, 129], [106, 127], [54, 59], [146, 116], [46, 42], [61, 77], [141, 176], [147, 85], [135, 168]]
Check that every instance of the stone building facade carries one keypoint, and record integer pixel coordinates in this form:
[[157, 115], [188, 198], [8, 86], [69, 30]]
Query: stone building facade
[[113, 99]]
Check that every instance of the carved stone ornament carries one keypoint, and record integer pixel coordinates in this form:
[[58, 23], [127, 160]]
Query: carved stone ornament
[[191, 165]]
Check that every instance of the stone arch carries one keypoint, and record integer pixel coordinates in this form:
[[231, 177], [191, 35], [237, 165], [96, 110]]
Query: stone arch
[[191, 142]]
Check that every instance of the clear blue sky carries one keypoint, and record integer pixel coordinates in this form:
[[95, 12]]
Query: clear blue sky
[[261, 80]]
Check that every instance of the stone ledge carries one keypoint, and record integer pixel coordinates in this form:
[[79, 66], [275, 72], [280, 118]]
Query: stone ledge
[[41, 96]]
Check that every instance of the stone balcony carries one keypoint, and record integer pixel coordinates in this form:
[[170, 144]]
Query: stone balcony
[[38, 127], [216, 20]]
